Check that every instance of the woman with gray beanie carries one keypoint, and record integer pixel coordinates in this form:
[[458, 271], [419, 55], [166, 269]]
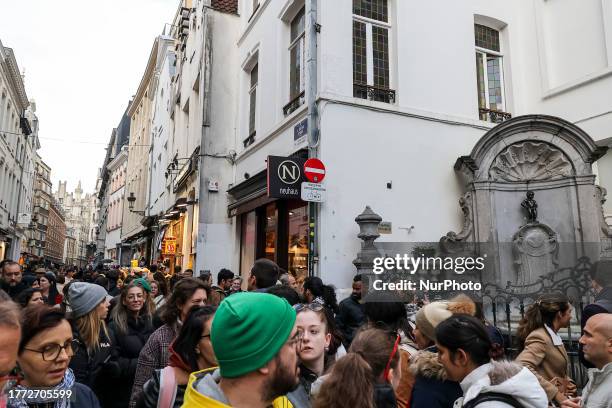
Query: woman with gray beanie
[[91, 361]]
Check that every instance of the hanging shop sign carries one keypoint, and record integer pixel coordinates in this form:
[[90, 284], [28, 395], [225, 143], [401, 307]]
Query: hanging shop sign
[[285, 176], [169, 246]]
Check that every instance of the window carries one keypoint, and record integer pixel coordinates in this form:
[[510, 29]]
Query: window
[[371, 72], [252, 105], [489, 75], [296, 64]]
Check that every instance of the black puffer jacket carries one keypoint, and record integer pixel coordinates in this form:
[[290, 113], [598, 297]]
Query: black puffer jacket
[[126, 349], [150, 393], [93, 369]]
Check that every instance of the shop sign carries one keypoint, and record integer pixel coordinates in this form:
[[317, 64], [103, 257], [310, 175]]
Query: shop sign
[[313, 192], [169, 246], [300, 132], [285, 175], [24, 218], [385, 227]]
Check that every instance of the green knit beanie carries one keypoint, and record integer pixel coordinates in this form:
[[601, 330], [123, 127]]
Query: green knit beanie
[[248, 330]]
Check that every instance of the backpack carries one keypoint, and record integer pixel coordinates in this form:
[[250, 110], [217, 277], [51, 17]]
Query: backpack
[[493, 396]]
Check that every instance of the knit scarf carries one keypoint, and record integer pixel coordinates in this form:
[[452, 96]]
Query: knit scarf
[[67, 383], [177, 361]]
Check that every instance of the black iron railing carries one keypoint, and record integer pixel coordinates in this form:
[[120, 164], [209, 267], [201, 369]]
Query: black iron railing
[[294, 104], [373, 93], [505, 306], [493, 116]]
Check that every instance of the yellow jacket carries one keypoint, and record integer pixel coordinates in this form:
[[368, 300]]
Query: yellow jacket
[[194, 399]]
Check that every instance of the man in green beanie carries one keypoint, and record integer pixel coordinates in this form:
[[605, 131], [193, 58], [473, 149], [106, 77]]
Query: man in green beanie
[[256, 342]]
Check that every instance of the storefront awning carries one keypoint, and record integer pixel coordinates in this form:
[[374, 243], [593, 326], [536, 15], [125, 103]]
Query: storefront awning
[[249, 195]]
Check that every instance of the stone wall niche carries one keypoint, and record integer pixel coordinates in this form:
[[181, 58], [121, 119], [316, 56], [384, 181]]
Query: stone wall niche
[[531, 195]]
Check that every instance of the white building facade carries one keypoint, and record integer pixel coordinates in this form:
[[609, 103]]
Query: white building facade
[[18, 145], [117, 169], [404, 89]]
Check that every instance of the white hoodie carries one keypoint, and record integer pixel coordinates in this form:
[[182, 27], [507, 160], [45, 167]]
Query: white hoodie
[[503, 377]]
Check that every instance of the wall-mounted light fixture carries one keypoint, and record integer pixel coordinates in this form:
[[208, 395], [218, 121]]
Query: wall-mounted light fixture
[[131, 200]]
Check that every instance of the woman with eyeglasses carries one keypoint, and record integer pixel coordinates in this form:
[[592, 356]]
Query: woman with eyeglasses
[[30, 296], [367, 376], [191, 351], [320, 341], [89, 309], [130, 328], [464, 349], [45, 351]]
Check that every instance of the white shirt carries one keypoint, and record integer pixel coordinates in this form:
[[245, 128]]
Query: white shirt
[[556, 339]]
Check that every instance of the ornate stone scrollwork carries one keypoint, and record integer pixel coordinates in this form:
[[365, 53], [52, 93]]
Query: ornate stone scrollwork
[[453, 242], [530, 161]]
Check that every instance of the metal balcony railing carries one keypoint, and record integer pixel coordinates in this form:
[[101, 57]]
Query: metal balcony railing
[[373, 93], [294, 104], [493, 116]]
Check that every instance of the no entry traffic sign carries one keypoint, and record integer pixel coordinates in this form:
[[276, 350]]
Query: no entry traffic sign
[[314, 170]]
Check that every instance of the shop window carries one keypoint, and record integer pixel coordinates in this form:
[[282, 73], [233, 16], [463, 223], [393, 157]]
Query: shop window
[[271, 222], [297, 262], [248, 241]]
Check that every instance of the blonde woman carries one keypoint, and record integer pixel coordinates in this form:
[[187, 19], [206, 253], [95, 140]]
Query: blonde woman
[[91, 361]]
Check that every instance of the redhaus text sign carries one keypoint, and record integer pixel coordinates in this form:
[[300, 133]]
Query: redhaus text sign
[[285, 177]]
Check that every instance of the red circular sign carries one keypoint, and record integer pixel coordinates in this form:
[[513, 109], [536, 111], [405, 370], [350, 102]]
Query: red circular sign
[[314, 170]]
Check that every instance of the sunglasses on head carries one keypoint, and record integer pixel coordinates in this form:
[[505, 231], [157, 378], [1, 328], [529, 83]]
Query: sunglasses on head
[[315, 307]]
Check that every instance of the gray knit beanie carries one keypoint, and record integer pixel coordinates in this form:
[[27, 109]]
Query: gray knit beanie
[[85, 297]]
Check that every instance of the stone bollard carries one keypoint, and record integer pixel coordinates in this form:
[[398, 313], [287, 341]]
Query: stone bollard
[[368, 222]]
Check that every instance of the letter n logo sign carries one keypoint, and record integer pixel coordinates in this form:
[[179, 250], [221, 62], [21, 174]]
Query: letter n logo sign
[[289, 172]]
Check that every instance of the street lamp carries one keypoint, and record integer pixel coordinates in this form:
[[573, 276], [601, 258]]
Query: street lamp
[[131, 200]]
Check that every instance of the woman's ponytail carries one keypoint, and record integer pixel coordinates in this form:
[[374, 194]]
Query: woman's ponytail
[[540, 313]]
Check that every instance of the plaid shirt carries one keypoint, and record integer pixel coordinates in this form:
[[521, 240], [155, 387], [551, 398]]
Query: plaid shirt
[[153, 356]]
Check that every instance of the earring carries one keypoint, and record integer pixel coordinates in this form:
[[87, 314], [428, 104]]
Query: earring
[[197, 350], [326, 349]]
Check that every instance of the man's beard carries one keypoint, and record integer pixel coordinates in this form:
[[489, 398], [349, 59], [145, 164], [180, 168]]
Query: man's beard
[[283, 381]]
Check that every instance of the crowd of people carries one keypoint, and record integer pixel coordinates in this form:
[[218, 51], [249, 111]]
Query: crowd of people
[[142, 338]]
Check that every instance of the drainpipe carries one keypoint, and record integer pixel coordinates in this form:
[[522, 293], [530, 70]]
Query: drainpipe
[[312, 29], [203, 193]]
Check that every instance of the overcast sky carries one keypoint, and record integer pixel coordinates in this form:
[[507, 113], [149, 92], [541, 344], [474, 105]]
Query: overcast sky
[[83, 60]]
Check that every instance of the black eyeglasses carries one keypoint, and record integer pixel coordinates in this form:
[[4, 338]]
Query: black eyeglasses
[[314, 306], [52, 351]]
